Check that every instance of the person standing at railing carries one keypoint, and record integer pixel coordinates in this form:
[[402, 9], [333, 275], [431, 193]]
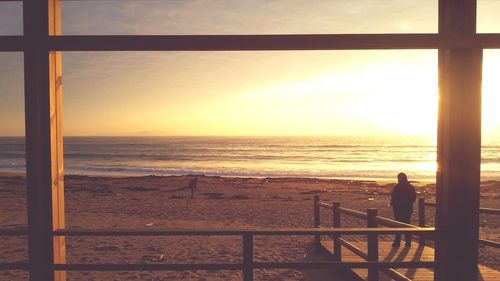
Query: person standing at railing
[[402, 197]]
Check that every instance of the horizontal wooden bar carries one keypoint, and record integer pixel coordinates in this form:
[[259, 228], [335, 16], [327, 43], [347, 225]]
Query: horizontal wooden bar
[[341, 264], [392, 223], [148, 232], [147, 267], [12, 43], [13, 231], [325, 205], [268, 42], [396, 275], [244, 42], [14, 266], [481, 210], [432, 204], [489, 243], [489, 211], [237, 266], [353, 213], [233, 232], [488, 40], [272, 42], [353, 248]]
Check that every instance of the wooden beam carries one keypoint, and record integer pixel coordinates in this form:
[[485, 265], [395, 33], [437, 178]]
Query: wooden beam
[[43, 139], [459, 146], [57, 154], [239, 266], [246, 42], [238, 231], [275, 42], [12, 43]]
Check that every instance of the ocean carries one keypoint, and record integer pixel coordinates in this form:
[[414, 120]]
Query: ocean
[[362, 158]]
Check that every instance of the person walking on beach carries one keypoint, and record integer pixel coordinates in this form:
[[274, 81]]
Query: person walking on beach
[[402, 197], [192, 185]]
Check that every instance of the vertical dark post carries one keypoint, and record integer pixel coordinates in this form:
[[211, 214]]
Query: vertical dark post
[[421, 217], [317, 221], [337, 248], [247, 257], [458, 145], [372, 244], [44, 162]]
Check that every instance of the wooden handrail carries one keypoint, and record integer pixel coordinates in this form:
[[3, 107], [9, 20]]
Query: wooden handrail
[[481, 210], [13, 231], [432, 204], [346, 265], [14, 266], [239, 266], [392, 223], [353, 248], [373, 220], [353, 213], [325, 205], [239, 231], [396, 275], [146, 266], [489, 243], [489, 211]]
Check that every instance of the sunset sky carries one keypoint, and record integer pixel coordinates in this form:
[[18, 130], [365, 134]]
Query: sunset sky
[[247, 93]]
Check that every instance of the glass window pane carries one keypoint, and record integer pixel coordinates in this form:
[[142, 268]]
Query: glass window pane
[[490, 156], [264, 130], [487, 16], [491, 117], [13, 212], [249, 17], [11, 18], [342, 93]]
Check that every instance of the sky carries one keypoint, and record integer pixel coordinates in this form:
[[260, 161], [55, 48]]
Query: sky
[[247, 93]]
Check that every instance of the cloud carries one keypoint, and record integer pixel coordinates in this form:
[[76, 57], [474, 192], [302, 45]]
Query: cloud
[[248, 17]]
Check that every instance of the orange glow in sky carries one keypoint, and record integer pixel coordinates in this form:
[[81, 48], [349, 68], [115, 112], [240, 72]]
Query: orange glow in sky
[[248, 93]]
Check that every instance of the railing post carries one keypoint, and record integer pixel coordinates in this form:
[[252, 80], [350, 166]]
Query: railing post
[[337, 248], [248, 257], [421, 218], [372, 245], [317, 221]]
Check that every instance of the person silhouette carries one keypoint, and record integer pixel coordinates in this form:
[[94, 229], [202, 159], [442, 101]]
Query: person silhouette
[[192, 185], [402, 197]]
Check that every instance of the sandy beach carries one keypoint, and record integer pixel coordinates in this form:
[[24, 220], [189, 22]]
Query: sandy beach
[[219, 202]]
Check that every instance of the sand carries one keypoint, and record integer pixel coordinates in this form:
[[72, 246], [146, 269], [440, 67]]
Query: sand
[[165, 202]]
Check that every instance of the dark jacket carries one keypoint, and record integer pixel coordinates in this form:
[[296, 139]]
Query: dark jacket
[[403, 196]]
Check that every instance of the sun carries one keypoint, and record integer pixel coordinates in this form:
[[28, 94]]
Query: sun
[[401, 99]]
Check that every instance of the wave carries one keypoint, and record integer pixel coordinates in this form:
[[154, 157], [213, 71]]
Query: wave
[[244, 157]]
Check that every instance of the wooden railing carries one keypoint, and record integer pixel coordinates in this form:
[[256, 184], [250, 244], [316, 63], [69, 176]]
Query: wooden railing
[[246, 266], [422, 203], [372, 221]]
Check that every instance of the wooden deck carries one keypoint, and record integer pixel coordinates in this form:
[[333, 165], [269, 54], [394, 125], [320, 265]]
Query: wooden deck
[[414, 253]]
